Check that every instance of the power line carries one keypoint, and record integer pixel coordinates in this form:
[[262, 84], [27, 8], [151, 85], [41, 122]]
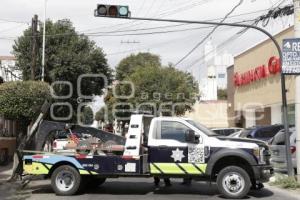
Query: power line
[[148, 47], [112, 33], [9, 29], [209, 34], [141, 29], [13, 21], [148, 11], [220, 46], [189, 5], [158, 32], [109, 26], [234, 37], [160, 44]]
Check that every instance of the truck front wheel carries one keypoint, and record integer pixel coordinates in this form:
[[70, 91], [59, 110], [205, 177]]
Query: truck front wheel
[[65, 180], [233, 182]]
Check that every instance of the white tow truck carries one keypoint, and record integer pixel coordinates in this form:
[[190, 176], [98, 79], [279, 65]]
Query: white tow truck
[[163, 147]]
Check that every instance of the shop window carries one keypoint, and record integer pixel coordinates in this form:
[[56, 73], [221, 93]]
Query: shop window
[[221, 75]]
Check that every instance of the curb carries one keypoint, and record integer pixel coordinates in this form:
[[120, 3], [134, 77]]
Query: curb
[[285, 192]]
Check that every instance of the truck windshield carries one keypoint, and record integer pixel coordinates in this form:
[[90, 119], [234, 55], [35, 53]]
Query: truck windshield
[[202, 128]]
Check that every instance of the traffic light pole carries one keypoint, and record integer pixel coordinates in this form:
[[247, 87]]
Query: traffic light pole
[[283, 87]]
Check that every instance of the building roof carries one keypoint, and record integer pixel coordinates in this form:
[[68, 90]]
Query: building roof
[[7, 58]]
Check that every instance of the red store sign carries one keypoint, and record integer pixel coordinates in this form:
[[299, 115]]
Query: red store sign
[[258, 73]]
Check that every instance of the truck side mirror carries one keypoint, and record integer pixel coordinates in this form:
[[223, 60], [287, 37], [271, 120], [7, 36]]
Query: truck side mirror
[[191, 137]]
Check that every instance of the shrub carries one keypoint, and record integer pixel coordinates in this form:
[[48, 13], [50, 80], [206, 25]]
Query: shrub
[[21, 100], [286, 182]]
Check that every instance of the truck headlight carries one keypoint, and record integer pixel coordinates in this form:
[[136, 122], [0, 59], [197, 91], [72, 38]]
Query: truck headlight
[[259, 153]]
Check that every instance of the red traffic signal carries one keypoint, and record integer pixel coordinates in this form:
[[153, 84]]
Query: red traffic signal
[[104, 10]]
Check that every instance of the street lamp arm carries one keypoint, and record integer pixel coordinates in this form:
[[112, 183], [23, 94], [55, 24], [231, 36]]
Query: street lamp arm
[[214, 23]]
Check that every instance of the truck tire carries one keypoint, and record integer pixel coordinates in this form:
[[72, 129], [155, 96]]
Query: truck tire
[[65, 180], [233, 182], [4, 156]]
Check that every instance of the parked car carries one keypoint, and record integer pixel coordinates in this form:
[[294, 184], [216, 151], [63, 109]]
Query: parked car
[[226, 131], [278, 151], [264, 133], [236, 134]]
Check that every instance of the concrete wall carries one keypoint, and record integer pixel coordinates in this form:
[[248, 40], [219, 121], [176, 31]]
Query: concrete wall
[[276, 115], [210, 113], [230, 97]]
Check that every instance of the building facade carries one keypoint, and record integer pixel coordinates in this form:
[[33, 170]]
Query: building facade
[[254, 86], [212, 114], [7, 69], [213, 74]]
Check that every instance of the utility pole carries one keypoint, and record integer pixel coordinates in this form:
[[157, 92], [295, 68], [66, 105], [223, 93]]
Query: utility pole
[[34, 45], [44, 41], [297, 87]]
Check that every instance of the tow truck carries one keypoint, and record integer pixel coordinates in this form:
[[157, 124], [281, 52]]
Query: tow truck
[[164, 147]]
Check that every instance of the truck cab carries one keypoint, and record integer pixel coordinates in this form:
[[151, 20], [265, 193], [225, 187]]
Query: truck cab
[[171, 147]]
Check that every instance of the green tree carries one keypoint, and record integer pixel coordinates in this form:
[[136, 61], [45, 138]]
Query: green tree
[[100, 115], [155, 85], [129, 64], [164, 85], [68, 55], [105, 113], [22, 100], [87, 116], [222, 94]]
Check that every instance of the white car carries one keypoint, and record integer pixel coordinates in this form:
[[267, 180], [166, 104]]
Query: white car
[[236, 134], [278, 152]]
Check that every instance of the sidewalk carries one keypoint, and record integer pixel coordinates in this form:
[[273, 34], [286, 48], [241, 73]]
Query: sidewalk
[[285, 192], [5, 172]]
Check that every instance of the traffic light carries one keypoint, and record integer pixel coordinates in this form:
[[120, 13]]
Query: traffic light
[[104, 10]]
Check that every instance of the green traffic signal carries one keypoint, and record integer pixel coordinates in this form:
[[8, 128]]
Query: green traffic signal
[[123, 11], [104, 10]]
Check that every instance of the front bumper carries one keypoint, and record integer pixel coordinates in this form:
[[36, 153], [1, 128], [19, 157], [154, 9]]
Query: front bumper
[[263, 173]]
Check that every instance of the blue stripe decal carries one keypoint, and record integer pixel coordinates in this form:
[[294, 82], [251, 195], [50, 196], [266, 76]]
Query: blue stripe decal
[[53, 159]]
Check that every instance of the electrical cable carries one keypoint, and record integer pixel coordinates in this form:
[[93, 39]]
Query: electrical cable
[[209, 34], [13, 21], [235, 36], [112, 33]]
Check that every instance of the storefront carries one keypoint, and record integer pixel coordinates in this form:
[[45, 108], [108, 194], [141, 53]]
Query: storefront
[[254, 87]]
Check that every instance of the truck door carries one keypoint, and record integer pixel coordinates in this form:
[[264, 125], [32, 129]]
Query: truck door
[[171, 154]]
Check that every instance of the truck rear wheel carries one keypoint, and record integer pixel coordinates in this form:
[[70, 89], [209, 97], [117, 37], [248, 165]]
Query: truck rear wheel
[[65, 180], [233, 182]]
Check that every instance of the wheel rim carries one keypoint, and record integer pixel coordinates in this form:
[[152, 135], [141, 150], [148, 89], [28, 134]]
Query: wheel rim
[[65, 181], [233, 183]]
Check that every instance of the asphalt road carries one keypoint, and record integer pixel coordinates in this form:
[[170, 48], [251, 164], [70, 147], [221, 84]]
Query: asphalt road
[[131, 189]]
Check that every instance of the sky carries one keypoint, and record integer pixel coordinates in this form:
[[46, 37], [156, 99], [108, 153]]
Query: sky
[[15, 16]]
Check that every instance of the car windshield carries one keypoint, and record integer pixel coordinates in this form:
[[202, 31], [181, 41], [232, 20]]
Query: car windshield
[[245, 133], [202, 128], [235, 134]]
